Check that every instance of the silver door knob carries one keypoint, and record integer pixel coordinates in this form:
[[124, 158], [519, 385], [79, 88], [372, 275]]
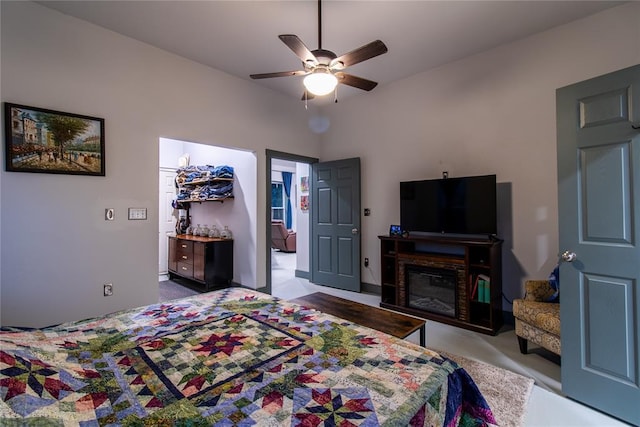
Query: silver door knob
[[568, 256], [354, 231]]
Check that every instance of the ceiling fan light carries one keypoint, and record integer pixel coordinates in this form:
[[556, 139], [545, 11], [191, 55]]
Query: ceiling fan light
[[320, 82]]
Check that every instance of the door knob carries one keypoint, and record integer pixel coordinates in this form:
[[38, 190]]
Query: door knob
[[354, 231], [568, 256]]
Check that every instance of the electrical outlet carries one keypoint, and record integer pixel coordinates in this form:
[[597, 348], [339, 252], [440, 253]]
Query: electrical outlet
[[108, 289], [366, 262]]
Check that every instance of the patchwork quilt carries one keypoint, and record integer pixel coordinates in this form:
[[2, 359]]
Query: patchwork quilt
[[233, 357]]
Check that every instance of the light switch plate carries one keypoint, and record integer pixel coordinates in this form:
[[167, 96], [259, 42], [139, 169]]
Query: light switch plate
[[137, 213]]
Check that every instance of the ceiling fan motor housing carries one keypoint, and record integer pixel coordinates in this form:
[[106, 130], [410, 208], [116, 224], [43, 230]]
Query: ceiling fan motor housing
[[324, 56]]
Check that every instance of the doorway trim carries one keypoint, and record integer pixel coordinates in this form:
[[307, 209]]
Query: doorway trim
[[270, 155]]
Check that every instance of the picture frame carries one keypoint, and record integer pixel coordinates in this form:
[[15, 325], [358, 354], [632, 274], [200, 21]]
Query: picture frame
[[304, 203], [395, 230], [47, 141], [304, 184]]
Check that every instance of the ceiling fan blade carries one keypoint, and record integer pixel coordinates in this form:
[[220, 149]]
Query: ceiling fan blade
[[360, 54], [278, 74], [299, 48], [357, 82]]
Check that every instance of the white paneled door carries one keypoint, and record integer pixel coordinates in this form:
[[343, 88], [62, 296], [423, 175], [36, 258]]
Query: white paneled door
[[166, 217]]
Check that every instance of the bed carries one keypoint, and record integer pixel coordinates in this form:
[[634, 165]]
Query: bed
[[226, 358]]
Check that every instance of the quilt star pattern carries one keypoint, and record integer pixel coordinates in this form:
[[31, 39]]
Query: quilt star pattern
[[233, 357]]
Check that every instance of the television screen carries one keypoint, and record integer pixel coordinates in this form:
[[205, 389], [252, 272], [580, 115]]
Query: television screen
[[464, 205]]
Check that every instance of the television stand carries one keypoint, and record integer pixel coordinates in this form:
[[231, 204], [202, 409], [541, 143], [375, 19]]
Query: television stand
[[453, 280]]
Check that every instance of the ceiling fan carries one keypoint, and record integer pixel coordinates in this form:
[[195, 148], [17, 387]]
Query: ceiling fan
[[323, 68]]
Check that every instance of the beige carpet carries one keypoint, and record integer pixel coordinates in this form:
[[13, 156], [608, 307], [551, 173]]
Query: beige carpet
[[506, 392]]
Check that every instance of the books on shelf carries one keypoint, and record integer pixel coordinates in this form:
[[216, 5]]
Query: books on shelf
[[481, 289]]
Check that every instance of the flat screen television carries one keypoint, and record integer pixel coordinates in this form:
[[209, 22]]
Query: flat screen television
[[465, 205]]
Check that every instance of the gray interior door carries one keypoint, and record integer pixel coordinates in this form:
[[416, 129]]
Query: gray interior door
[[335, 224], [598, 199]]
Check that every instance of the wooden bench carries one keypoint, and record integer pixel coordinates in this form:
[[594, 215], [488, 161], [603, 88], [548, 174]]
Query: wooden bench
[[389, 322]]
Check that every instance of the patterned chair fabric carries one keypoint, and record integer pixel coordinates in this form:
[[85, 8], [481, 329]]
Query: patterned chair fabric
[[537, 321]]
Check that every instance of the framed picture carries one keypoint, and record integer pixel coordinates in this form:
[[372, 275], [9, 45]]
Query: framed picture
[[304, 184], [47, 141], [304, 203]]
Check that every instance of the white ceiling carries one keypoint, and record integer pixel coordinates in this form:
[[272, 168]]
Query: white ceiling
[[241, 37]]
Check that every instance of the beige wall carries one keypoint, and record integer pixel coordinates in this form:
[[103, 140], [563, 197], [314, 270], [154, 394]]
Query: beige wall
[[57, 249], [489, 113]]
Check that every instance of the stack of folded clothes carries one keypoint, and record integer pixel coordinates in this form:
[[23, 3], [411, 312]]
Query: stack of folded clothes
[[199, 182]]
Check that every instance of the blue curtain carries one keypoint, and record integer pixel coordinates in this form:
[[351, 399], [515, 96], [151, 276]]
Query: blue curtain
[[286, 180]]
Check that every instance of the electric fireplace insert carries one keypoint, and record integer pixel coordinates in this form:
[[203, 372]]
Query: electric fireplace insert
[[431, 289]]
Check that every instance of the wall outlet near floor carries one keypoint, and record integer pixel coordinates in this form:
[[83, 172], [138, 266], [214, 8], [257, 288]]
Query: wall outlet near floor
[[366, 262], [108, 289]]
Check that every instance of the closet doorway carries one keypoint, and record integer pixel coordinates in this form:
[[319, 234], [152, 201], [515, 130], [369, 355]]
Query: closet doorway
[[238, 213]]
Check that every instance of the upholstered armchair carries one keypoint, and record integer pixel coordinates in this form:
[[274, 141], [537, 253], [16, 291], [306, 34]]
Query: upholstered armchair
[[537, 321], [281, 238]]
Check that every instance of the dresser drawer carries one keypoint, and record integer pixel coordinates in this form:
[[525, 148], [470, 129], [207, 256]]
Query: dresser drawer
[[185, 269], [184, 251]]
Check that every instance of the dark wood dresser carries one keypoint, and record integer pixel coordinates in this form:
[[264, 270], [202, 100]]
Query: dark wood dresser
[[205, 260]]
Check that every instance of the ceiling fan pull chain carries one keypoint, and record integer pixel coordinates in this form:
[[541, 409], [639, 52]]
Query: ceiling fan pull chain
[[335, 95]]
